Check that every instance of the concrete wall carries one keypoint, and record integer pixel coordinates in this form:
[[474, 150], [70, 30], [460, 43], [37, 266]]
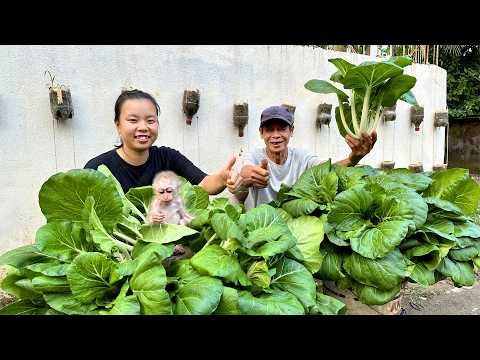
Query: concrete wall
[[33, 146], [464, 144]]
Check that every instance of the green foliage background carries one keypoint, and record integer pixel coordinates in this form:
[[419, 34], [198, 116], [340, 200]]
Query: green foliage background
[[463, 81]]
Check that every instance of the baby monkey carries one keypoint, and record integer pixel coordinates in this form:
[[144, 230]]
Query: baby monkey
[[167, 207]]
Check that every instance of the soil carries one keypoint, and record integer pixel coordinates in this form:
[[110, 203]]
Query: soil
[[443, 298]]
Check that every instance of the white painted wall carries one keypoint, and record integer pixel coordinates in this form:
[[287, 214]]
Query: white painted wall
[[33, 146]]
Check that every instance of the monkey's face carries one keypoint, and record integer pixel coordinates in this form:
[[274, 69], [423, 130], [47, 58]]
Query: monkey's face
[[138, 124], [166, 191]]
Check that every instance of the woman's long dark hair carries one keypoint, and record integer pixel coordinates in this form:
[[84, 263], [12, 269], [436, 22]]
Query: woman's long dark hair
[[132, 94]]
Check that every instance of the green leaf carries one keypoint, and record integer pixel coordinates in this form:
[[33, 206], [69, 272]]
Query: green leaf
[[370, 74], [89, 277], [50, 268], [15, 283], [141, 197], [461, 273], [120, 270], [376, 241], [342, 65], [416, 181], [62, 240], [142, 248], [327, 305], [128, 206], [226, 228], [411, 206], [465, 254], [196, 198], [422, 275], [201, 217], [63, 195], [228, 303], [299, 207], [440, 227], [401, 61], [349, 176], [443, 204], [317, 183], [426, 254], [409, 98], [97, 232], [23, 307], [148, 284], [308, 231], [258, 273], [215, 261], [331, 268], [165, 233], [457, 187], [129, 225], [200, 296], [22, 256], [324, 87], [467, 229], [384, 273], [69, 304], [348, 209], [48, 284], [124, 305], [395, 87], [293, 277], [283, 215], [276, 303], [372, 296], [268, 233]]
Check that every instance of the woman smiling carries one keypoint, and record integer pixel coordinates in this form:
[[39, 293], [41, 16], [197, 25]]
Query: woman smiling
[[136, 161]]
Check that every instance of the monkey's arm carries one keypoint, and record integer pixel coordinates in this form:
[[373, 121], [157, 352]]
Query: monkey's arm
[[185, 217]]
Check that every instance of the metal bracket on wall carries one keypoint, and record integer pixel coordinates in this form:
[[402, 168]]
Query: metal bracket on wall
[[290, 108], [416, 167], [441, 119], [389, 113], [60, 99], [324, 115], [191, 103], [416, 116], [240, 116], [61, 103], [439, 167], [387, 165]]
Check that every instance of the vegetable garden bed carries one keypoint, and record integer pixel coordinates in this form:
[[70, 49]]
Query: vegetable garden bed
[[365, 229]]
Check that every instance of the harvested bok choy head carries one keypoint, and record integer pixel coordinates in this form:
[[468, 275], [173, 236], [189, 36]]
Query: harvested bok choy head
[[372, 86]]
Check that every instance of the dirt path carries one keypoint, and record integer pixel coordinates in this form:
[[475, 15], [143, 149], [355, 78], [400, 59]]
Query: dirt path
[[442, 299]]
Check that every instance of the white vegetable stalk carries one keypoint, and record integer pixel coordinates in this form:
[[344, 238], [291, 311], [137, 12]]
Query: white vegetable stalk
[[354, 114], [366, 101], [342, 117], [377, 119]]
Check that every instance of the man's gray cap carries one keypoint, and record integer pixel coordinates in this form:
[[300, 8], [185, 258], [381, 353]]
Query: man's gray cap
[[276, 112]]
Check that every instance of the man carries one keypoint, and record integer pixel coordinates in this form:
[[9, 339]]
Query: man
[[265, 169]]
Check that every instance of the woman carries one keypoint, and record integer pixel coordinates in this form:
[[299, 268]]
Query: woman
[[136, 161]]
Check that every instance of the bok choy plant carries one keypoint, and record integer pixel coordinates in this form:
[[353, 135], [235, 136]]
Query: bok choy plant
[[372, 86]]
